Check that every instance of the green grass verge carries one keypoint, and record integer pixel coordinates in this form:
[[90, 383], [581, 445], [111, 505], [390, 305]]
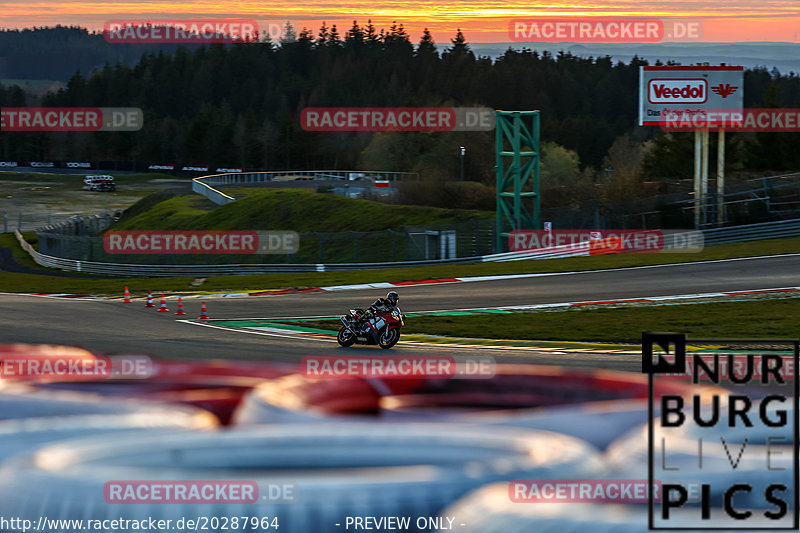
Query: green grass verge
[[775, 318], [331, 327], [11, 282], [303, 211], [8, 240]]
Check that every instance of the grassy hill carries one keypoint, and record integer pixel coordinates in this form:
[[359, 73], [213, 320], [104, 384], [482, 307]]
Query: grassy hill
[[302, 211], [333, 228]]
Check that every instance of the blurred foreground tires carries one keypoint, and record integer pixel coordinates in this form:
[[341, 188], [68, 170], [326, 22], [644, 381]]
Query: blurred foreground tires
[[216, 386], [756, 462], [512, 387], [337, 470], [31, 417], [598, 423], [26, 435], [510, 397]]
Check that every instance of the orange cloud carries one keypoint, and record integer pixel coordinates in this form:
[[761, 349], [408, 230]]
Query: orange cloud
[[482, 21]]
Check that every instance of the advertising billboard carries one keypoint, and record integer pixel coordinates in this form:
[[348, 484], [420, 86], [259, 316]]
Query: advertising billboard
[[680, 91]]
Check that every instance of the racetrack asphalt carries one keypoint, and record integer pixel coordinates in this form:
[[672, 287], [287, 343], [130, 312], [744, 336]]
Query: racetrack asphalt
[[110, 326]]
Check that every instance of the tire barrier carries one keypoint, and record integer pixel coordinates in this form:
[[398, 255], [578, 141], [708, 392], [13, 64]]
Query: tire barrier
[[337, 469], [513, 387], [24, 435], [746, 449], [20, 401], [216, 386], [490, 510], [598, 423]]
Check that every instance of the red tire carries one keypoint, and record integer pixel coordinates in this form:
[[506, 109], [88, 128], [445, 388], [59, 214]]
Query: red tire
[[217, 386], [513, 387]]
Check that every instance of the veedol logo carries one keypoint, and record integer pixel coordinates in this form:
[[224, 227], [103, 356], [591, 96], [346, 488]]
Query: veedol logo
[[724, 90], [677, 91]]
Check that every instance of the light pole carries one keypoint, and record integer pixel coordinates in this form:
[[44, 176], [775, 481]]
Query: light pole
[[463, 152]]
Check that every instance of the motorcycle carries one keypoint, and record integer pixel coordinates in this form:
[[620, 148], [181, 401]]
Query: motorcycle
[[382, 329]]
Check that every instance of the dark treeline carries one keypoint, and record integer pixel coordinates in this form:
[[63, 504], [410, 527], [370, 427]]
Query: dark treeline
[[239, 105], [56, 53]]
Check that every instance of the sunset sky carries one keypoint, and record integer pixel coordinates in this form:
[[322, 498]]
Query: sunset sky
[[481, 21]]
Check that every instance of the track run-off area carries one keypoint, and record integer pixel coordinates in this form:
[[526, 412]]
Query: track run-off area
[[113, 327]]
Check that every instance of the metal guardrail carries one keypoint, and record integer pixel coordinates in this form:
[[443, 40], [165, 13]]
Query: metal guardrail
[[205, 184], [210, 192], [121, 269], [750, 232]]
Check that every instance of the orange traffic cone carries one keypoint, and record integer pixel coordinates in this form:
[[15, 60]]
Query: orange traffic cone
[[150, 300], [127, 299], [163, 304], [203, 315], [180, 307]]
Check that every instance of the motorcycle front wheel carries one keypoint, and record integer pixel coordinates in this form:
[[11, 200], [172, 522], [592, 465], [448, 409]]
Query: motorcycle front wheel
[[389, 338], [345, 338]]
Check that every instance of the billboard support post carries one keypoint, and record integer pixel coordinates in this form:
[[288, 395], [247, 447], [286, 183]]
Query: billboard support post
[[697, 177], [704, 180], [720, 177]]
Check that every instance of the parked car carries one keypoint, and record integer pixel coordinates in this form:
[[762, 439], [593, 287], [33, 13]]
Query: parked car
[[102, 183]]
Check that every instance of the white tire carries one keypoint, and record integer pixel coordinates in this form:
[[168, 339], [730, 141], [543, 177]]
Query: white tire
[[28, 434], [598, 423], [17, 402]]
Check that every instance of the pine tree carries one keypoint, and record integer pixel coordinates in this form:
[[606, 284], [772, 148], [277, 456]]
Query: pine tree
[[335, 39], [289, 35], [370, 34], [306, 36], [355, 35], [427, 47], [324, 35], [460, 46]]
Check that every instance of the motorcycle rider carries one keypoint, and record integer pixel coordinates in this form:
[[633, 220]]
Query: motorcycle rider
[[381, 305]]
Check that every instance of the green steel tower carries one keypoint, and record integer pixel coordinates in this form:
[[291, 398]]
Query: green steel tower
[[517, 171]]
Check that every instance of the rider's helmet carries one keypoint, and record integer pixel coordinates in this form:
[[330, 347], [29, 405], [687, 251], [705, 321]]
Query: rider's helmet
[[392, 297]]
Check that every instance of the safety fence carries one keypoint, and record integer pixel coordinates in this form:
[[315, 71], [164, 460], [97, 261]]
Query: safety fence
[[762, 199], [80, 240], [162, 270], [10, 221], [750, 232]]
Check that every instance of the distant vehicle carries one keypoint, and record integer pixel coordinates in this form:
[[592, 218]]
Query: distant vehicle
[[101, 183]]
